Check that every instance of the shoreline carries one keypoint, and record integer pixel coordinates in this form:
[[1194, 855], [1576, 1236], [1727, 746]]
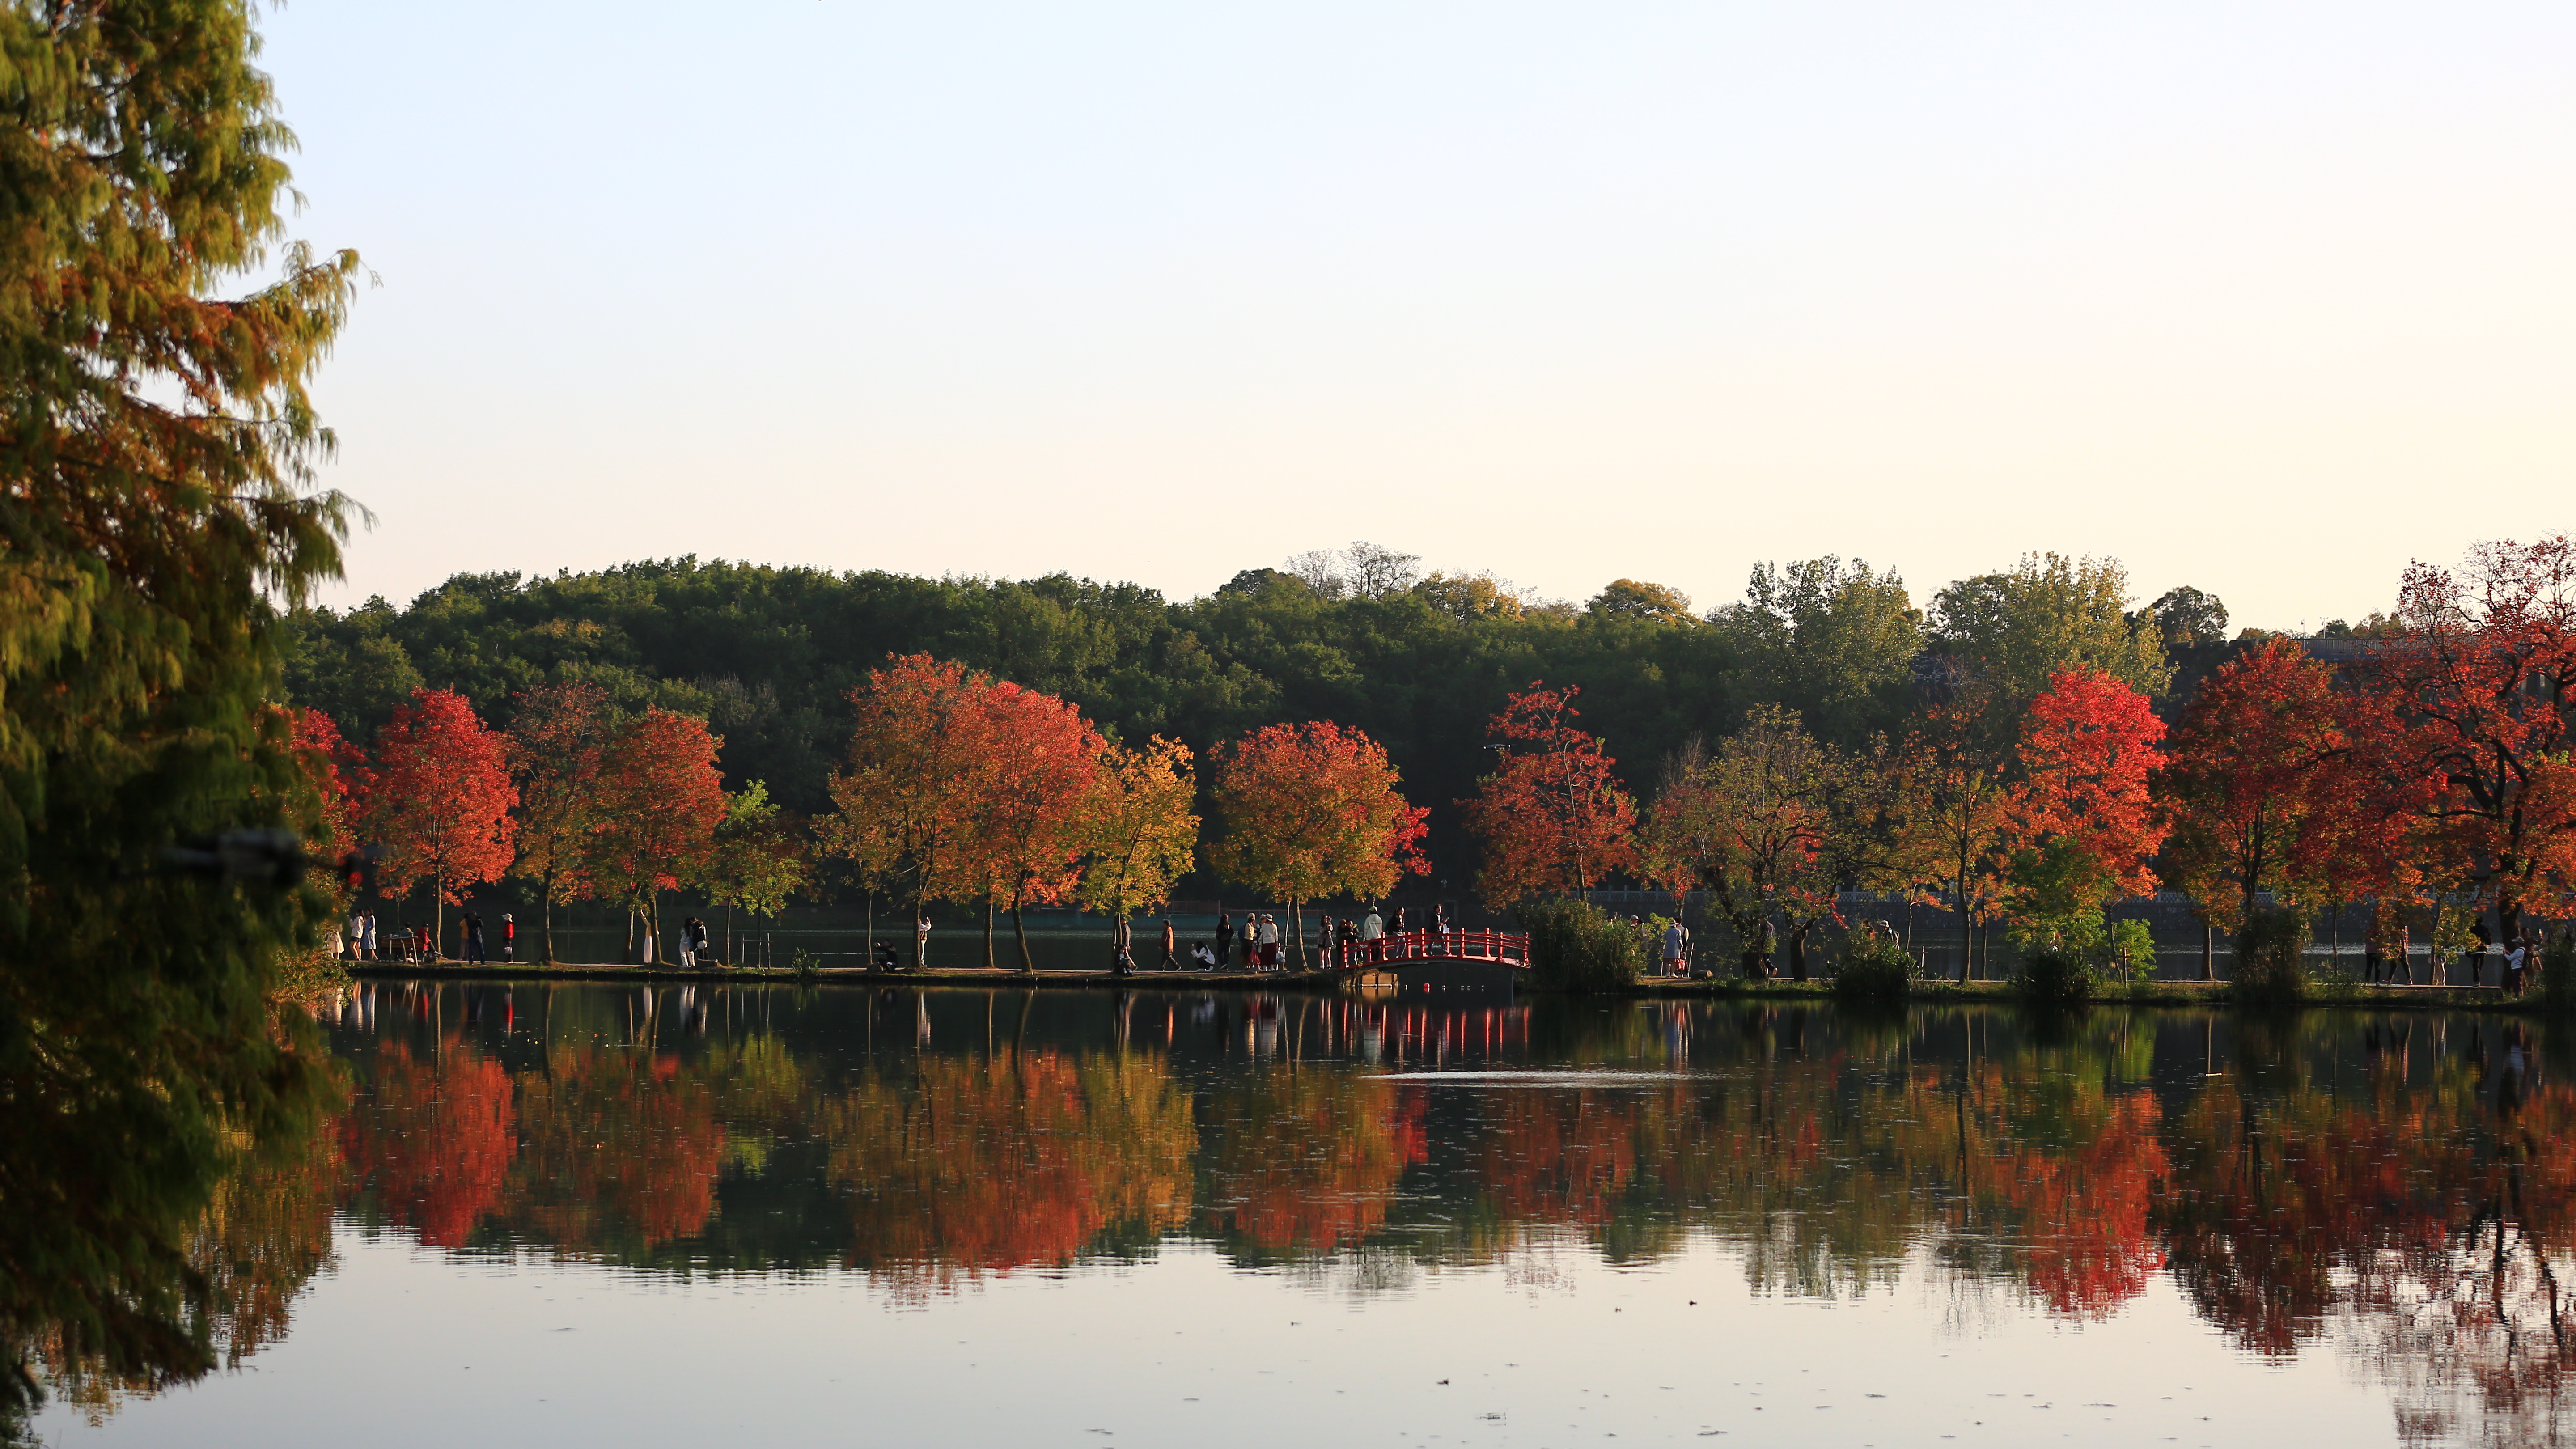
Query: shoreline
[[2200, 994]]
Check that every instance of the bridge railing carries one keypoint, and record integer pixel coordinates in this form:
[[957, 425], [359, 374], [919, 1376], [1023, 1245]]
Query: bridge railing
[[1395, 948]]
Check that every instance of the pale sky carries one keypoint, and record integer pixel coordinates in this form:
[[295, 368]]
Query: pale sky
[[2263, 298]]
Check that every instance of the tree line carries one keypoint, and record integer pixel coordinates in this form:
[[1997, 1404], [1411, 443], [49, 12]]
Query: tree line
[[1417, 661], [2025, 777]]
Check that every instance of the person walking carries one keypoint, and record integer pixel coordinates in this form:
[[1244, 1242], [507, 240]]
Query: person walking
[[1224, 937], [474, 939], [1171, 947], [1373, 935], [1440, 926], [509, 937]]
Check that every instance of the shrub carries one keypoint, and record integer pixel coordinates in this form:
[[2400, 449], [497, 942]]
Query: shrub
[[1577, 946], [2053, 974], [1875, 966], [2272, 957]]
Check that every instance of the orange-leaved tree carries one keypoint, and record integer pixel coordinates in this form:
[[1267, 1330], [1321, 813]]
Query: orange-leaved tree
[[1140, 831], [660, 800], [441, 798], [919, 757], [337, 771], [1952, 800], [1552, 815], [2086, 822], [1311, 811], [1025, 808], [555, 745]]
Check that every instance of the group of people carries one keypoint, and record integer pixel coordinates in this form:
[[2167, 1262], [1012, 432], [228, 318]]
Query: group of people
[[2393, 963], [693, 950], [364, 942]]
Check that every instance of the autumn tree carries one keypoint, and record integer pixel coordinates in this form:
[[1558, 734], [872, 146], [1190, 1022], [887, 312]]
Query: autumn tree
[[1552, 815], [1755, 824], [336, 774], [2086, 822], [2483, 679], [660, 801], [2252, 790], [1025, 827], [1311, 811], [1950, 800], [918, 757], [760, 857], [554, 746], [441, 800], [1140, 832]]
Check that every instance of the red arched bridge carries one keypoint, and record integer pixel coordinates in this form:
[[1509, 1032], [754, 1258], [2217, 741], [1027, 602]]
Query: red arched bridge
[[1409, 948]]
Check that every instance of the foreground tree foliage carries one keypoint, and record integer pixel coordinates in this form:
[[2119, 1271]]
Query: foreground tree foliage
[[154, 471]]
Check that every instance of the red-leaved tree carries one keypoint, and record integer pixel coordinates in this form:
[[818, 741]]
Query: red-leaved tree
[[440, 800], [1552, 815], [2482, 681], [2087, 824]]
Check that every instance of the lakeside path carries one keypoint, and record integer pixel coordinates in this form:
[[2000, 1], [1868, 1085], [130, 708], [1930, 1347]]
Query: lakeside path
[[2202, 994]]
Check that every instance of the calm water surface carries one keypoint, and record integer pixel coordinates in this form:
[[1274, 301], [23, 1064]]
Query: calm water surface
[[592, 1215]]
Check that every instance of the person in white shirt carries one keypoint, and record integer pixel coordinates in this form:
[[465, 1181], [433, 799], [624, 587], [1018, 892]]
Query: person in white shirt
[[1373, 936], [1269, 942]]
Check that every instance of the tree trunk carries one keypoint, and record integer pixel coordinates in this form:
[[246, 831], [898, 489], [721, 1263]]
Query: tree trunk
[[546, 918], [989, 964], [437, 915], [1020, 928], [2208, 952], [1297, 922], [653, 923], [1798, 953]]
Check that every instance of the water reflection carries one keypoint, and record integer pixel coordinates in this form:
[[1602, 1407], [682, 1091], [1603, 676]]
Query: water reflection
[[2394, 1189]]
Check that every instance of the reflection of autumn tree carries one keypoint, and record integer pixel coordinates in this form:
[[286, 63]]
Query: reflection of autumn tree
[[1306, 1158], [981, 1165], [621, 1153], [433, 1141]]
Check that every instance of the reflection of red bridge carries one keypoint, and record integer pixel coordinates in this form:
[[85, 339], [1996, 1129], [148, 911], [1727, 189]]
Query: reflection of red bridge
[[1407, 948]]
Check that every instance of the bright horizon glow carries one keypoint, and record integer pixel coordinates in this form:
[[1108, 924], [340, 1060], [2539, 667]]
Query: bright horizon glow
[[2266, 299]]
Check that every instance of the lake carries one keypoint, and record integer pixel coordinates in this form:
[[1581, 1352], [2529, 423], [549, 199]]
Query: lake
[[587, 1214]]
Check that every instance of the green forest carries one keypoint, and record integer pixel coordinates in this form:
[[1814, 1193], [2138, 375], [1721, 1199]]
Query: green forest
[[1421, 662]]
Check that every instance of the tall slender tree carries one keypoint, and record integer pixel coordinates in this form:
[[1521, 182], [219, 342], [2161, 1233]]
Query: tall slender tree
[[555, 745]]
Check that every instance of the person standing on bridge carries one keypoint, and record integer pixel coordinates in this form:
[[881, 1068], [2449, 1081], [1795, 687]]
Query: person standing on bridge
[[1373, 935]]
